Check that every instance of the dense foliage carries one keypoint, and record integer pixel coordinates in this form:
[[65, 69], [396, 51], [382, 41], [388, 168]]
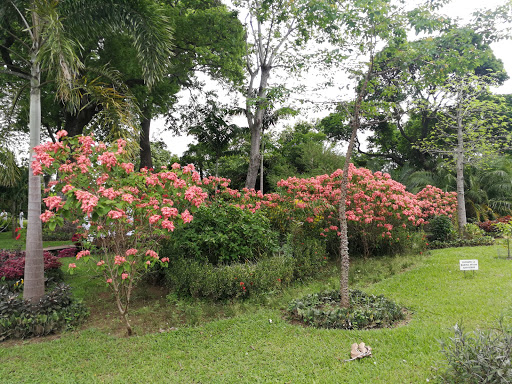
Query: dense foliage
[[196, 279], [322, 310], [441, 228], [482, 356], [55, 311], [222, 234], [12, 264]]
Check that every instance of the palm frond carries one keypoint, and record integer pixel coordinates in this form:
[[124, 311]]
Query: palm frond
[[10, 173], [141, 20]]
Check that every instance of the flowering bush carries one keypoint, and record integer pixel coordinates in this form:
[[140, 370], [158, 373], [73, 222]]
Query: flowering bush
[[379, 209], [122, 214]]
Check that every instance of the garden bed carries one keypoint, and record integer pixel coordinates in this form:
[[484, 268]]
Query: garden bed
[[322, 310]]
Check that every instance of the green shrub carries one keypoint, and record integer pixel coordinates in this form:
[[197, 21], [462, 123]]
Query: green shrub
[[193, 278], [441, 228], [322, 310], [473, 231], [309, 251], [484, 240], [222, 234], [55, 311], [478, 357]]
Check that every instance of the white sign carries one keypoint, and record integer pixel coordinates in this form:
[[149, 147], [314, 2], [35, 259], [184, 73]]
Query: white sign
[[468, 265]]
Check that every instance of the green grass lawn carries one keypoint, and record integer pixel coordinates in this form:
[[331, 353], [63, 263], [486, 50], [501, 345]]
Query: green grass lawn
[[7, 242], [236, 342]]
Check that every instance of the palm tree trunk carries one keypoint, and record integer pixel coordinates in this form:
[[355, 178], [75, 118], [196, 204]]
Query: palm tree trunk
[[33, 287]]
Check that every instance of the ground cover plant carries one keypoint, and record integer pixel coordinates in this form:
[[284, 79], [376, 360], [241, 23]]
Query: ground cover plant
[[322, 310], [54, 312], [228, 342]]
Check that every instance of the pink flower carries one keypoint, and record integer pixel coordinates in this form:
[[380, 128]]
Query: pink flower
[[37, 169], [169, 212], [148, 262], [131, 251], [53, 202], [169, 225], [81, 254], [118, 260], [109, 281], [116, 214], [186, 216], [165, 259], [175, 166], [152, 253], [47, 215], [153, 219], [128, 167], [61, 133], [128, 198], [108, 159], [100, 263], [72, 265], [124, 275], [67, 188]]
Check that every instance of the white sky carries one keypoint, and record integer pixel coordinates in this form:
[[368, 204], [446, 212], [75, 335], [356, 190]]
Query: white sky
[[457, 8]]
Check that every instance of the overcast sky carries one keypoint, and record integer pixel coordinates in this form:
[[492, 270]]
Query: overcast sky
[[457, 8]]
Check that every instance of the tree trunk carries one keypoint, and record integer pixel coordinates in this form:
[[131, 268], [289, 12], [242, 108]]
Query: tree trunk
[[75, 124], [342, 209], [256, 126], [342, 215], [459, 156], [261, 163], [145, 147], [33, 287]]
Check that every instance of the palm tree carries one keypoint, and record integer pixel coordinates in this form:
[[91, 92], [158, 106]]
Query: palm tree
[[41, 42]]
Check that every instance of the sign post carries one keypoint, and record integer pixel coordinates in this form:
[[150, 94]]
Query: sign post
[[468, 265]]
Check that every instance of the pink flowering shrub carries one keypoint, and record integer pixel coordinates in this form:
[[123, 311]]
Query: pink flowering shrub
[[122, 214], [380, 211]]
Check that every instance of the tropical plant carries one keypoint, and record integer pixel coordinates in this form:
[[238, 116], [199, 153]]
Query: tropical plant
[[39, 42]]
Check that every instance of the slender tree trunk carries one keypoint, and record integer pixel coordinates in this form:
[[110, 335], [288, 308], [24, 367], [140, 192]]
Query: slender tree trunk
[[33, 287], [256, 126], [342, 215], [261, 163], [145, 146], [342, 209], [459, 156]]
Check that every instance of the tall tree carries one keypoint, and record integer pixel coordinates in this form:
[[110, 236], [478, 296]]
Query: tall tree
[[45, 45], [277, 31], [470, 128], [364, 26], [407, 97]]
